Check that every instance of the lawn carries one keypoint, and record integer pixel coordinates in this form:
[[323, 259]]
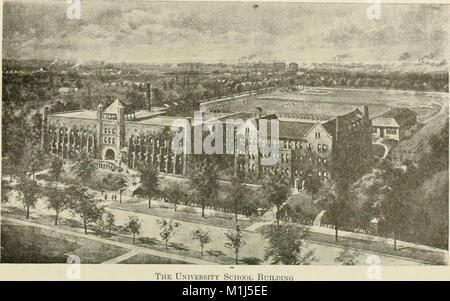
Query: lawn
[[143, 258], [91, 251], [25, 244], [374, 246], [184, 213]]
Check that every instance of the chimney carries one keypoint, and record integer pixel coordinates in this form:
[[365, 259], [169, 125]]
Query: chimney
[[366, 111], [149, 96]]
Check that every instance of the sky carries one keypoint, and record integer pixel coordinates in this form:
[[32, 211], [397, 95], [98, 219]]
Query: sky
[[162, 32]]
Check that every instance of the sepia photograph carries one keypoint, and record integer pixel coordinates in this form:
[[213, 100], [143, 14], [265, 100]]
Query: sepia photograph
[[224, 133]]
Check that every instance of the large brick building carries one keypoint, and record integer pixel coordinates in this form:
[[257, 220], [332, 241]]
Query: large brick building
[[121, 136], [307, 140]]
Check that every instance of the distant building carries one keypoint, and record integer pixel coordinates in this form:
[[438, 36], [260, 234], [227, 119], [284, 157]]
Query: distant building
[[278, 67], [393, 123], [293, 67]]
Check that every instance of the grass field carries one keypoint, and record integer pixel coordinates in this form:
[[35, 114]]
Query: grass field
[[143, 258], [24, 244], [326, 105]]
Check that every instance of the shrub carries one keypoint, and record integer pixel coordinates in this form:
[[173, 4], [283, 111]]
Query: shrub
[[251, 260]]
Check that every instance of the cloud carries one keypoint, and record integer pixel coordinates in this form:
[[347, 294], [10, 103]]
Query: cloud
[[208, 31]]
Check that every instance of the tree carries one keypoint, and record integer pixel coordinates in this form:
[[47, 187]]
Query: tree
[[277, 190], [85, 206], [204, 179], [394, 206], [338, 209], [84, 169], [115, 183], [57, 199], [30, 192], [56, 168], [167, 229], [34, 159], [235, 241], [174, 194], [134, 226], [110, 221], [202, 236], [237, 193], [348, 257], [313, 184], [286, 245], [149, 181]]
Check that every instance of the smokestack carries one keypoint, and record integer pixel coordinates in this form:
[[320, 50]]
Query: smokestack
[[149, 96], [259, 111]]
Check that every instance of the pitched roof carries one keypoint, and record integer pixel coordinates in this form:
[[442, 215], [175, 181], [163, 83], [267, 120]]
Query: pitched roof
[[345, 120], [401, 115], [117, 104], [303, 117], [385, 122], [296, 130]]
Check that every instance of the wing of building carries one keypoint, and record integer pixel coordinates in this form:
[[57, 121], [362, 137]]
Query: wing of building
[[120, 136]]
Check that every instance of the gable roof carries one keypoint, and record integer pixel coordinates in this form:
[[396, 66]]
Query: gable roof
[[117, 104], [344, 121], [295, 130], [385, 122], [320, 126], [401, 115]]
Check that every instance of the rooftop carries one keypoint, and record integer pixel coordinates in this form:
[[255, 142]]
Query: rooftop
[[117, 104], [385, 122], [144, 114], [302, 117], [83, 114], [296, 130], [160, 120]]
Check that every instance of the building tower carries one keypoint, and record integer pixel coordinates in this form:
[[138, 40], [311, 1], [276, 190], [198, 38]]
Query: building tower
[[99, 131]]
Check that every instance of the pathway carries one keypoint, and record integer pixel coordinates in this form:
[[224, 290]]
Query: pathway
[[318, 218], [386, 148]]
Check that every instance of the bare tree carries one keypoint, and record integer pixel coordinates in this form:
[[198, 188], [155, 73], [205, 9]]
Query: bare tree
[[202, 236], [167, 229], [235, 241]]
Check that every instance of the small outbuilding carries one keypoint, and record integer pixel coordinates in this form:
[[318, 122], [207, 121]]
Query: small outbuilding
[[393, 123]]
